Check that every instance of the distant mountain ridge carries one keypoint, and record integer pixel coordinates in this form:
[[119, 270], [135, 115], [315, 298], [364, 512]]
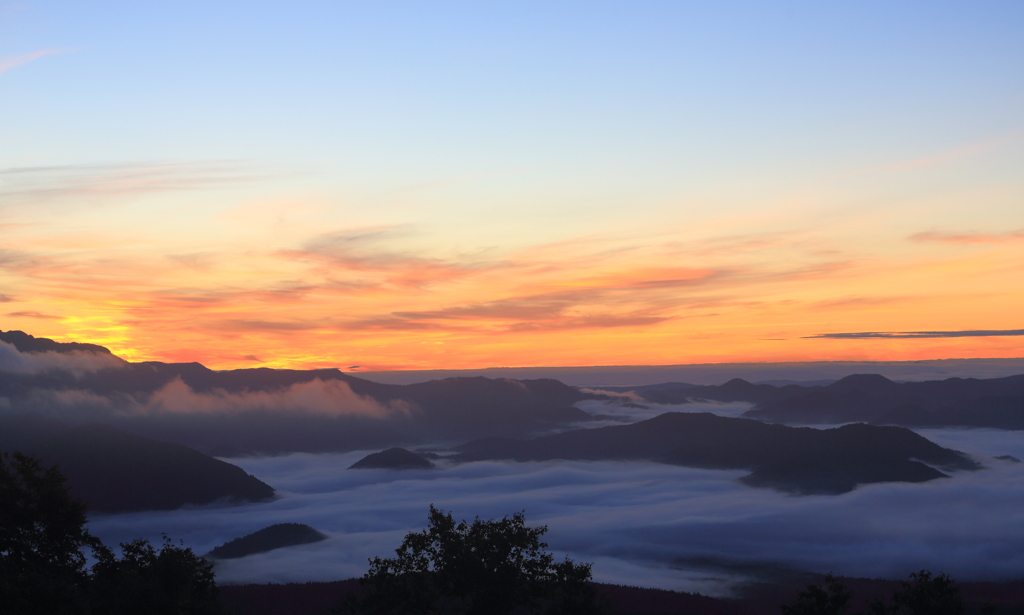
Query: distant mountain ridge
[[29, 343], [794, 459], [967, 402], [449, 410]]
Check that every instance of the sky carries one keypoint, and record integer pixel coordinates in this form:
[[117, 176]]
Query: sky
[[420, 185]]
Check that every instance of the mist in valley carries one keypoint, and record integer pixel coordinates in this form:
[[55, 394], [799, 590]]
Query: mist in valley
[[640, 523]]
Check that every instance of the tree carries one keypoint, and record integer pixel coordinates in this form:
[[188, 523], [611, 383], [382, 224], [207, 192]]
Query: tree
[[43, 567], [834, 600], [42, 534], [923, 595], [169, 581], [495, 567]]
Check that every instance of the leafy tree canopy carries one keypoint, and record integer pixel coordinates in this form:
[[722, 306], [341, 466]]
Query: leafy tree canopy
[[494, 567], [923, 594], [43, 568], [833, 599]]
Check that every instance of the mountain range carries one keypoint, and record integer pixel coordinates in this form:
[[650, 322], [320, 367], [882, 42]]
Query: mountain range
[[953, 402], [121, 431], [794, 459]]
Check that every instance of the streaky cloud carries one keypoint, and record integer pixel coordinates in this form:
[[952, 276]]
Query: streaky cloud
[[968, 238], [9, 63], [917, 334]]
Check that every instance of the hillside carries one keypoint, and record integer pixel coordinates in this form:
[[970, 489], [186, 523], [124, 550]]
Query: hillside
[[113, 471], [800, 460], [392, 459], [276, 536]]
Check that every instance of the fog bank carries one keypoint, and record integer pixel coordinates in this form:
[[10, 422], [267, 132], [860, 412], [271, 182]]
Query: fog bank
[[640, 523]]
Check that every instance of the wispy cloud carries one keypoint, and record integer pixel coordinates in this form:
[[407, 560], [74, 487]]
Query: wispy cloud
[[40, 315], [7, 64], [941, 158], [971, 237], [43, 185], [917, 334]]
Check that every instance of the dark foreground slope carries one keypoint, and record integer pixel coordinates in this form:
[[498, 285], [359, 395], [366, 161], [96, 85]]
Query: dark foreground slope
[[962, 402], [113, 471], [760, 599], [794, 459], [276, 536]]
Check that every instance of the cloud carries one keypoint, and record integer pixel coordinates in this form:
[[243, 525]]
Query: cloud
[[368, 250], [6, 298], [916, 334], [942, 158], [544, 312], [11, 360], [970, 238], [36, 186], [331, 398], [642, 524], [31, 314], [7, 64], [323, 397], [195, 260], [855, 302]]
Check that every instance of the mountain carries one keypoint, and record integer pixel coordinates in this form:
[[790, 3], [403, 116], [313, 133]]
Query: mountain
[[276, 536], [793, 459], [24, 342], [128, 396], [113, 471], [392, 459], [968, 402]]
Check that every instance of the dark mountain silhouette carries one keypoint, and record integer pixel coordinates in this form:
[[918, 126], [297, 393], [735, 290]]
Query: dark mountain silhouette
[[392, 459], [736, 389], [968, 402], [453, 409], [28, 343], [794, 459], [113, 471], [276, 536]]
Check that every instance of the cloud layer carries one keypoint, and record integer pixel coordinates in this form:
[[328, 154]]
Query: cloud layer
[[640, 523]]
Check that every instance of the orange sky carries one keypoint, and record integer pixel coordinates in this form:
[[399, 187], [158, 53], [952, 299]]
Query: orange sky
[[286, 283]]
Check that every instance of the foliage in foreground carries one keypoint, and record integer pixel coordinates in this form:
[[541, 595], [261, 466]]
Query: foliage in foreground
[[43, 568], [923, 594], [496, 567]]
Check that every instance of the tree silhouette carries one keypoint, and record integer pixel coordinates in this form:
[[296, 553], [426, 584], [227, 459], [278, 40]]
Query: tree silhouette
[[923, 595], [43, 569], [495, 567], [833, 600], [42, 533], [167, 581]]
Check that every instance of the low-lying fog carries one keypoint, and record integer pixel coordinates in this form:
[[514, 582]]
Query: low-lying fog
[[641, 524]]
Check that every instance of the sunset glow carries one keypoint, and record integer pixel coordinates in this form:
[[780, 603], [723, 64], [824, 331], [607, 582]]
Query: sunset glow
[[398, 192]]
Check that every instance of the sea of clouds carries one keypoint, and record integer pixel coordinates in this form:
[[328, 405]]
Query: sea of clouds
[[639, 523]]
